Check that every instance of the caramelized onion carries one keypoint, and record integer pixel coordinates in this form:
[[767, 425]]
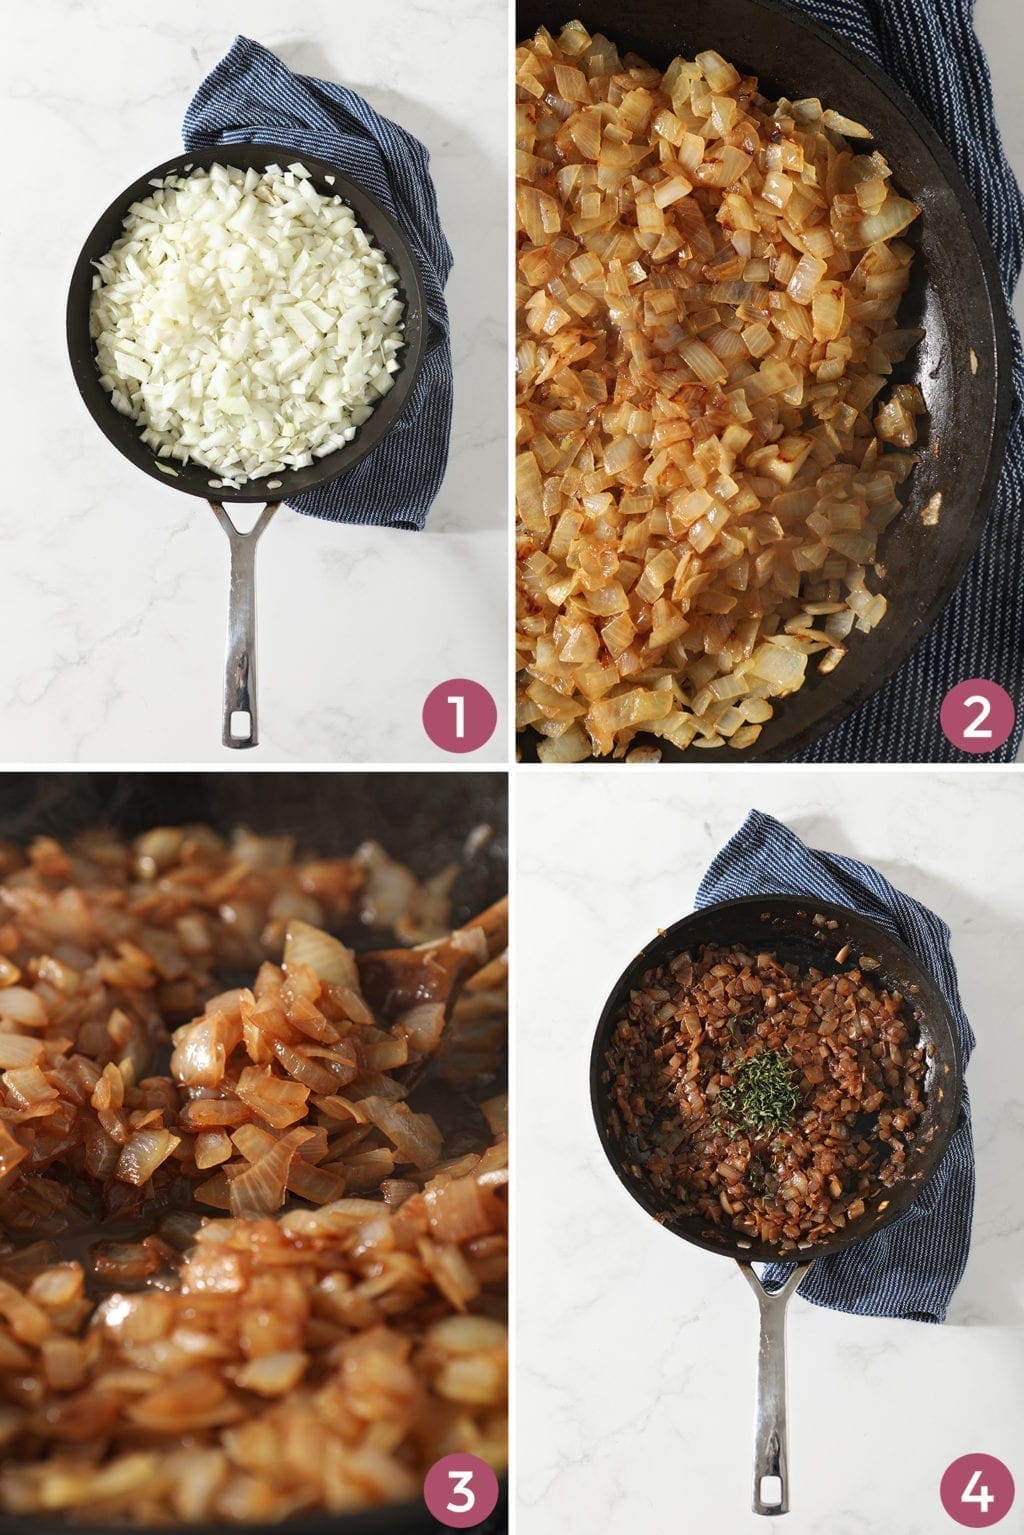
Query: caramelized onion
[[839, 1069], [708, 287], [271, 1346]]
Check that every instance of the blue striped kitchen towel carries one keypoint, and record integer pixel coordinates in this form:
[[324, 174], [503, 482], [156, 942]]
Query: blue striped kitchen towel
[[252, 98], [910, 1269], [930, 49]]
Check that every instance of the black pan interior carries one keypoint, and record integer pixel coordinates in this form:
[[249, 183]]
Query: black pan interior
[[955, 295], [422, 819], [193, 478], [784, 925]]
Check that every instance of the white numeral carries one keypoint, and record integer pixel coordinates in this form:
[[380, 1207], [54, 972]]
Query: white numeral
[[462, 1479], [973, 731], [982, 1496], [460, 729]]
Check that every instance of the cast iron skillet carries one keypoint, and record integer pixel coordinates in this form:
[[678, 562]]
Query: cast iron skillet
[[784, 926], [240, 683], [421, 818], [955, 295]]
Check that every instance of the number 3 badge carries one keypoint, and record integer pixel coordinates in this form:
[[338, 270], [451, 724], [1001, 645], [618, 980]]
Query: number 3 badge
[[461, 1491]]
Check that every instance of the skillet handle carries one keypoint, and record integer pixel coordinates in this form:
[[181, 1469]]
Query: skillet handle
[[240, 661], [771, 1473]]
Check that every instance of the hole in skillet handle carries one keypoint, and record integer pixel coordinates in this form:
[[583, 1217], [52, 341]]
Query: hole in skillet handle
[[771, 1491], [194, 479]]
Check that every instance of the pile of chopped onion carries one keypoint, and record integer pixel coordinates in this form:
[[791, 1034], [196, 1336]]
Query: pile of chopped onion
[[708, 286], [254, 1266], [245, 321], [320, 1362], [778, 1162], [298, 1086]]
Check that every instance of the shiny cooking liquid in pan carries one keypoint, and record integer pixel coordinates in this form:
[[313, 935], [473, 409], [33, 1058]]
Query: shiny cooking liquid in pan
[[424, 819]]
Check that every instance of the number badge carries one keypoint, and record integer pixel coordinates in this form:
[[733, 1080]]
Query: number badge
[[461, 1491], [459, 715], [977, 1491], [977, 716]]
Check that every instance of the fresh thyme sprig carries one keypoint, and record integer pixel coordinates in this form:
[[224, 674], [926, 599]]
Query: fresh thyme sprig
[[764, 1094]]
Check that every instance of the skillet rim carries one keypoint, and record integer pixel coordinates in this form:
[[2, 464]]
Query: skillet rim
[[922, 620], [675, 938], [124, 434]]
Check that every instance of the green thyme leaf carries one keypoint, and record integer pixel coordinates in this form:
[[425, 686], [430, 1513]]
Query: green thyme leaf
[[764, 1094]]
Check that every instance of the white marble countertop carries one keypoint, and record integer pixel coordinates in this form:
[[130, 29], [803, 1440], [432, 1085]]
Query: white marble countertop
[[114, 588], [637, 1352]]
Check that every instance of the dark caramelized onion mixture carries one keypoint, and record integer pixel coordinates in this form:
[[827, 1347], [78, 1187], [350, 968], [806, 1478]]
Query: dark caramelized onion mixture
[[252, 1236], [677, 1068]]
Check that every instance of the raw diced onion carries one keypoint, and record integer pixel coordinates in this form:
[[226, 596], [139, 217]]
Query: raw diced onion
[[245, 321]]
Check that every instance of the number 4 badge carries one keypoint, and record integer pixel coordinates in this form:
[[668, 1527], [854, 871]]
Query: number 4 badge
[[977, 1491]]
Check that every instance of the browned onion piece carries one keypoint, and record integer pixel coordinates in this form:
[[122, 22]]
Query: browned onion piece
[[677, 1053], [199, 1323], [707, 294]]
